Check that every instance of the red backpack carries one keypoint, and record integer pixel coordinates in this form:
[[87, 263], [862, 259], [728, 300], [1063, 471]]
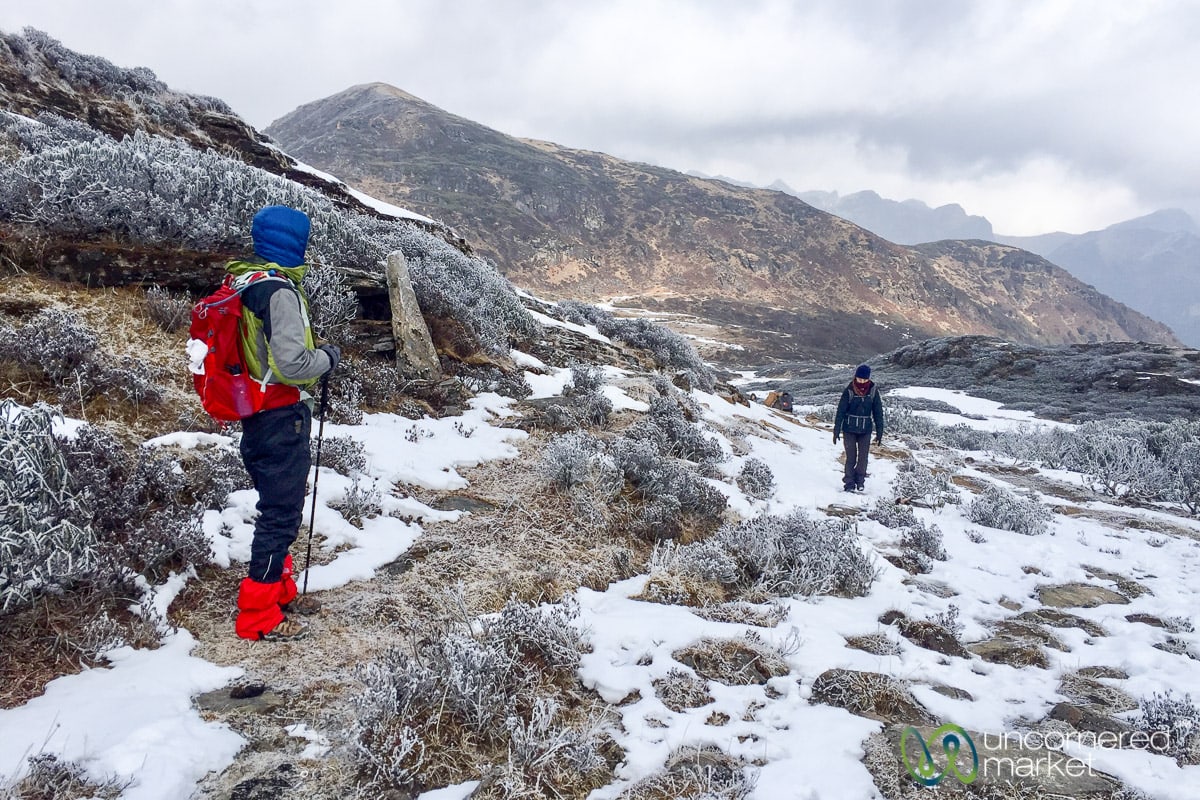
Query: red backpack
[[219, 372]]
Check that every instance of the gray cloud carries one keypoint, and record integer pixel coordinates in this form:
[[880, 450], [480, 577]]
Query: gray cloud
[[1040, 115]]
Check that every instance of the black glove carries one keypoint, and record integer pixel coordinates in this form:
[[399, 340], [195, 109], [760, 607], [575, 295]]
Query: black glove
[[879, 439], [835, 437], [334, 353]]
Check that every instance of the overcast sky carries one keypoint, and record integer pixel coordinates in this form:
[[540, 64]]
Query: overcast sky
[[1038, 114]]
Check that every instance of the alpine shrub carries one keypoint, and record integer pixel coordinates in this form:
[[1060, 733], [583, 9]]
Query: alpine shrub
[[999, 508], [342, 454], [668, 349], [892, 515], [1173, 723], [492, 683], [788, 556], [332, 304], [756, 479], [915, 481], [567, 460], [924, 539], [585, 379], [42, 548], [171, 312]]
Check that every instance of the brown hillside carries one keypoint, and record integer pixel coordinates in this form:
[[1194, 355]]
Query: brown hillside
[[570, 223]]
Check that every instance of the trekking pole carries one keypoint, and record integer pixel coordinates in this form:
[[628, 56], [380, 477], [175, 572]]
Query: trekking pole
[[312, 519]]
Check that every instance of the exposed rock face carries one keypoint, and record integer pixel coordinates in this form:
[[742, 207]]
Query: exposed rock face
[[570, 223]]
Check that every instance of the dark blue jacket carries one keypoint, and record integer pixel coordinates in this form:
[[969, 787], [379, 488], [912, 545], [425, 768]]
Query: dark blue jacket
[[859, 414]]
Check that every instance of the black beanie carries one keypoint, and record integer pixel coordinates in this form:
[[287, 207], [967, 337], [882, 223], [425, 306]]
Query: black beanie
[[863, 371]]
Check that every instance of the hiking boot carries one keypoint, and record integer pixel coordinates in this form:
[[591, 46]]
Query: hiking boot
[[304, 604], [287, 631], [858, 487], [849, 487]]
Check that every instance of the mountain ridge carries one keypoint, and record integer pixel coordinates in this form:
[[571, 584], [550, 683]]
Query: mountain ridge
[[574, 223]]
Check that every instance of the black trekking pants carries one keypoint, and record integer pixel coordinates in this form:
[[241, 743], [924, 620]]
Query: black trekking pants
[[275, 451], [858, 450]]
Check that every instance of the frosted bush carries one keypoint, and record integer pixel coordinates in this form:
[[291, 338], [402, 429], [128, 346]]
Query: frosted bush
[[141, 506], [655, 477], [160, 191], [892, 515], [66, 351], [585, 379], [1117, 458], [493, 685], [171, 312], [999, 508], [1173, 724], [915, 481], [756, 479], [786, 556], [668, 349], [41, 548], [342, 454], [567, 460], [924, 539], [665, 423], [332, 303]]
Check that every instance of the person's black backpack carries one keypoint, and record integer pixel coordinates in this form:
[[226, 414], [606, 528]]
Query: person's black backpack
[[785, 402], [858, 412]]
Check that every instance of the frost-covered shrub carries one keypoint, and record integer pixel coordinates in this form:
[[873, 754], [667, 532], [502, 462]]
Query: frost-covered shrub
[[50, 777], [1173, 724], [169, 311], [666, 425], [567, 459], [217, 472], [59, 345], [756, 479], [42, 548], [360, 502], [902, 421], [160, 191], [494, 686], [585, 379], [1183, 465], [783, 556], [1000, 508], [924, 539], [680, 690], [492, 379], [656, 477], [1117, 456], [140, 505], [892, 515], [56, 340], [915, 481], [332, 304], [668, 349], [699, 773], [342, 454]]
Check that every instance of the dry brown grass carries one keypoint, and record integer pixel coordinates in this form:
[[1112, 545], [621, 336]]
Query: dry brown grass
[[60, 635], [118, 315]]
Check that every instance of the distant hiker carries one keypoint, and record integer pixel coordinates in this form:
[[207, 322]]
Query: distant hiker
[[859, 411], [280, 352]]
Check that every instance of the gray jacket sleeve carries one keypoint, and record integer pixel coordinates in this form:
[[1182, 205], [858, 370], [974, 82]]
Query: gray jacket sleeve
[[293, 360]]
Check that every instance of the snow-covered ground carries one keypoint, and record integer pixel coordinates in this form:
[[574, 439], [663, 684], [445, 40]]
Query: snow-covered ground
[[135, 721]]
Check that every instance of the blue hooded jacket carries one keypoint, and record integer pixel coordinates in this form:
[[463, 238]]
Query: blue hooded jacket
[[280, 235]]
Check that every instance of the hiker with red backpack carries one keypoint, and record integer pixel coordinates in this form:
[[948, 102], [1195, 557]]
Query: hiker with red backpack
[[263, 381], [859, 411]]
